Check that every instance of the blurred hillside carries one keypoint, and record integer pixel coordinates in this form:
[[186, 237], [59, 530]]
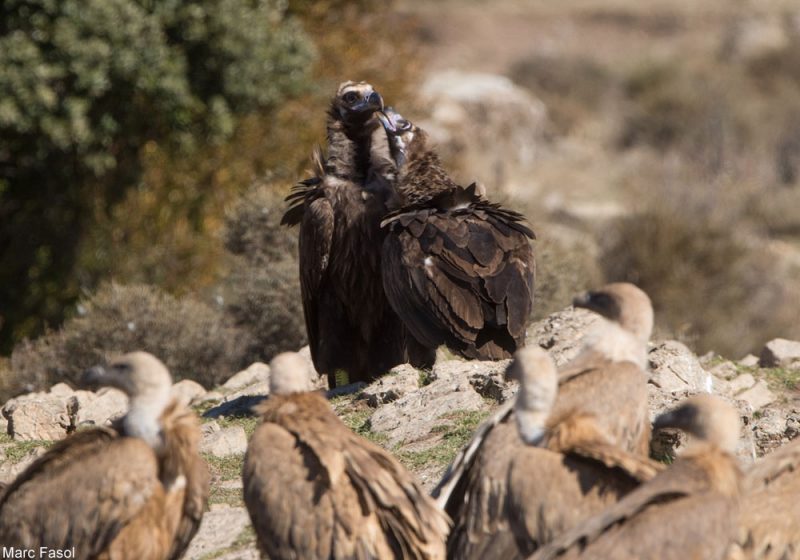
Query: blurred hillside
[[142, 165], [672, 143]]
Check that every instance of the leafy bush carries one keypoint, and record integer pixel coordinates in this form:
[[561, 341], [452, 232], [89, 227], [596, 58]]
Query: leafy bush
[[262, 291], [88, 84], [193, 339]]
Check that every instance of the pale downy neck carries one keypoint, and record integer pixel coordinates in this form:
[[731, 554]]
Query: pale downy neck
[[611, 341], [532, 409], [143, 419]]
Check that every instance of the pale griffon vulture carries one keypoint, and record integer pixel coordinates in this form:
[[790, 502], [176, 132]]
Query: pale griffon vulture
[[559, 469], [769, 516], [315, 489], [605, 382], [136, 490], [458, 269], [351, 326], [687, 511]]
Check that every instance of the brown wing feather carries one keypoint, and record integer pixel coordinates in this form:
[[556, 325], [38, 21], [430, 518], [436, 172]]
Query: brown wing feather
[[478, 503], [578, 474], [615, 394], [770, 511], [315, 488], [80, 494], [316, 238], [684, 487], [304, 191], [460, 275], [475, 483], [181, 430]]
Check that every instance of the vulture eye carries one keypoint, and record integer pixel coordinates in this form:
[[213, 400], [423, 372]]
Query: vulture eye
[[350, 97]]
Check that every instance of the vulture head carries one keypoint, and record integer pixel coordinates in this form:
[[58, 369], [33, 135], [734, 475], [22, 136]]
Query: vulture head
[[538, 385], [354, 105], [405, 138], [707, 418], [147, 383], [628, 322], [289, 373], [621, 303]]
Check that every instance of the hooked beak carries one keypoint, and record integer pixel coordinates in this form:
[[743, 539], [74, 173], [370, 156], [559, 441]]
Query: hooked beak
[[93, 377], [676, 418], [583, 300], [372, 102], [386, 122]]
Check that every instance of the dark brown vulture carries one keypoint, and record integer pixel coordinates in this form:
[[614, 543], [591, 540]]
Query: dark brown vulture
[[315, 489], [605, 382], [769, 522], [351, 326], [136, 490], [687, 511], [457, 269]]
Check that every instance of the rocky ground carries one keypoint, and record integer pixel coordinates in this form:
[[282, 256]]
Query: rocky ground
[[422, 417]]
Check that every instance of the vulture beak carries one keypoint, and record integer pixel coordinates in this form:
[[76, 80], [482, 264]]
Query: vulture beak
[[584, 300], [94, 377], [677, 418], [372, 102], [386, 122]]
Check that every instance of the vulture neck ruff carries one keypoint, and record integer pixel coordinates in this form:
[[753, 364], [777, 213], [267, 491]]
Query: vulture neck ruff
[[615, 343], [143, 419], [348, 153]]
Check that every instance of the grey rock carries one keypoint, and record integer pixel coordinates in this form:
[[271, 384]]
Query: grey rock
[[224, 442], [781, 353], [260, 388], [773, 427], [673, 367], [100, 408], [61, 390], [465, 112], [208, 428], [220, 529], [749, 361], [741, 383], [492, 383], [412, 417], [725, 370], [758, 396], [562, 333], [400, 380], [210, 396], [38, 416], [188, 391], [255, 373]]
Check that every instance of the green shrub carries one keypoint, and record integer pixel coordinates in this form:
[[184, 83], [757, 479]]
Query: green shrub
[[87, 86], [262, 290]]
